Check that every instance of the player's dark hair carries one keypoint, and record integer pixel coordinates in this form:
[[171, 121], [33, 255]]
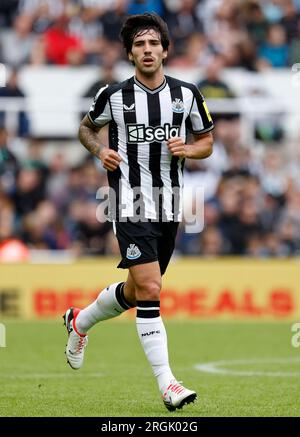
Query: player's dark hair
[[135, 24]]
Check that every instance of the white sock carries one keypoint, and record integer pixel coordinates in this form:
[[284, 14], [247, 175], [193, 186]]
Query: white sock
[[109, 303], [152, 334]]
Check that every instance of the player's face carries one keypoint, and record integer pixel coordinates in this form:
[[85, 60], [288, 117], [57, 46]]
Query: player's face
[[147, 53]]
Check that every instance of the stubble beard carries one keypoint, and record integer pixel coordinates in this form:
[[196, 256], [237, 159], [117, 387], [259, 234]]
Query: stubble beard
[[149, 71]]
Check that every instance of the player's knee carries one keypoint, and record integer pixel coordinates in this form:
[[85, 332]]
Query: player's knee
[[150, 290]]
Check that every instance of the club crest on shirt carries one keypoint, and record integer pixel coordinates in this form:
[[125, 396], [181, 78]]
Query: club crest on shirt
[[177, 105], [133, 252]]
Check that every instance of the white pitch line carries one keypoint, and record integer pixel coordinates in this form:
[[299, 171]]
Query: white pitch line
[[214, 367], [50, 375]]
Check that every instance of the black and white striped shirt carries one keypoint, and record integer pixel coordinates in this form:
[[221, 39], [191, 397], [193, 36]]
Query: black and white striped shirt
[[141, 120]]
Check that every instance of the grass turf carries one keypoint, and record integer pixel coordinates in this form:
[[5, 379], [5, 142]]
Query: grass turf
[[116, 379]]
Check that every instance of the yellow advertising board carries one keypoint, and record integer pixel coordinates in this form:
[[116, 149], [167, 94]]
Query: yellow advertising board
[[195, 288]]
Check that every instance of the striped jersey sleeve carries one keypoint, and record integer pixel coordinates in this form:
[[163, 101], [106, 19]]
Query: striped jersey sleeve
[[199, 120], [100, 111]]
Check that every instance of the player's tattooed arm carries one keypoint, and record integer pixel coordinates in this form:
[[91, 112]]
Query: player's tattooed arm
[[89, 137]]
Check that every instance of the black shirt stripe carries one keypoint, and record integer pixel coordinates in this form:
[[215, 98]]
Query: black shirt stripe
[[176, 93], [114, 176]]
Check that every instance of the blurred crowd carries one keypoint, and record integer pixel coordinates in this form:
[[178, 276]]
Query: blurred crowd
[[253, 34], [251, 192], [252, 200]]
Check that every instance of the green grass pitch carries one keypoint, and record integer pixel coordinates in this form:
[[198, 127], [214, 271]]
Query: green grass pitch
[[116, 379]]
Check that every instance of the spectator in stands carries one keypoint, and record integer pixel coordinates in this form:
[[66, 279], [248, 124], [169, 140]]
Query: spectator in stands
[[61, 47], [106, 76], [247, 53], [273, 11], [44, 12], [240, 162], [7, 217], [75, 187], [274, 52], [271, 210], [12, 249], [141, 6], [43, 228], [9, 166], [291, 208], [38, 52], [255, 246], [249, 224], [226, 31], [195, 53], [92, 179], [57, 181], [16, 43], [183, 24], [289, 233], [12, 89], [228, 198], [273, 175], [212, 86], [273, 246], [290, 20], [291, 24], [29, 191], [90, 234], [212, 243], [112, 21], [254, 21]]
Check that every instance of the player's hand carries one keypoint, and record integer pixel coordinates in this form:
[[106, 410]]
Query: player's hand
[[110, 159], [177, 147]]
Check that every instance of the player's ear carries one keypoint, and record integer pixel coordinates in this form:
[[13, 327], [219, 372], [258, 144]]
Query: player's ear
[[130, 57], [165, 54]]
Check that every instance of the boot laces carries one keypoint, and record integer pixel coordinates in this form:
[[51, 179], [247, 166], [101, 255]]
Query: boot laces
[[175, 387], [81, 344]]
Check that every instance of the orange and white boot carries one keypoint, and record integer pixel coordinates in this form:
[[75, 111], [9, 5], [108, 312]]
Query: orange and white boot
[[176, 396], [76, 341]]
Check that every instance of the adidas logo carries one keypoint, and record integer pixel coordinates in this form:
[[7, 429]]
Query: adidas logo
[[150, 333], [133, 252], [130, 108]]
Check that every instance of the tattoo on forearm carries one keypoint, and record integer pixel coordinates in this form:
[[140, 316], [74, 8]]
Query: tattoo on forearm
[[90, 140]]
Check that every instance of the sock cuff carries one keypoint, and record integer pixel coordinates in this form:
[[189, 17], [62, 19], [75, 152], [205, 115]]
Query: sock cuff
[[148, 309], [122, 301], [148, 303]]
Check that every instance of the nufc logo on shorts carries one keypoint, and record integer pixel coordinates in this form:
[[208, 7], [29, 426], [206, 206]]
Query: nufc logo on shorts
[[139, 133]]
